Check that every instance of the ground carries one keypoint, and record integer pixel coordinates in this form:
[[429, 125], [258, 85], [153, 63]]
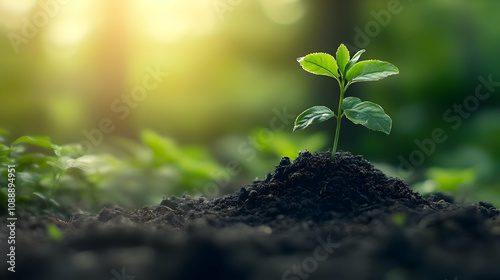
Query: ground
[[309, 219]]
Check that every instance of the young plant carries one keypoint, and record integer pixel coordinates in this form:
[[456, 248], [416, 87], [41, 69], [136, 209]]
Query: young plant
[[346, 71]]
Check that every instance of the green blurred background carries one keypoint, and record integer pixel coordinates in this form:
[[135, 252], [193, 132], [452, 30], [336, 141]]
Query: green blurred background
[[232, 84]]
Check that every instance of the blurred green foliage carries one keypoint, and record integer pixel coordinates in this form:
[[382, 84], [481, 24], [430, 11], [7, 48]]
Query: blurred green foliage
[[449, 180], [56, 177]]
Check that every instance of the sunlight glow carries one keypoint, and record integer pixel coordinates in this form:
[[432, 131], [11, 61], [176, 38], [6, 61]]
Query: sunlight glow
[[284, 11], [19, 7], [170, 21], [68, 29], [68, 32], [11, 12]]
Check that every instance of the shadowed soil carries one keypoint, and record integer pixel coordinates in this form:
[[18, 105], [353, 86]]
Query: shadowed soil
[[309, 219]]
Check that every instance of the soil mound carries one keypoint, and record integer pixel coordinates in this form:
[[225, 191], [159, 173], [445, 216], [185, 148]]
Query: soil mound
[[314, 187], [311, 189]]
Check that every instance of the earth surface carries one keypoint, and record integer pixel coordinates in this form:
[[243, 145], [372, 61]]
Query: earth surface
[[309, 219]]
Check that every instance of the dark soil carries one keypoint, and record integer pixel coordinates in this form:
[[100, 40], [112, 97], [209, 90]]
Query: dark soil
[[310, 219]]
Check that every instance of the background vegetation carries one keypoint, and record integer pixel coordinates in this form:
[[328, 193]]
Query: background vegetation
[[221, 116]]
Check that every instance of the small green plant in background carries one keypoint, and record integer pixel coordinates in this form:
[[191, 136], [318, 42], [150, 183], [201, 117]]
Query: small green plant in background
[[53, 178], [346, 71], [41, 167]]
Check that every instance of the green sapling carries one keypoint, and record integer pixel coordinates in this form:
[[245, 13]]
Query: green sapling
[[346, 71]]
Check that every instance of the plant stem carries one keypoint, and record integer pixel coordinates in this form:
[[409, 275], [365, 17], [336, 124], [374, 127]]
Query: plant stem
[[57, 177], [339, 118]]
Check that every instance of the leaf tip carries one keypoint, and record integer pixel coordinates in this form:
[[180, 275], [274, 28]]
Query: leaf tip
[[343, 47]]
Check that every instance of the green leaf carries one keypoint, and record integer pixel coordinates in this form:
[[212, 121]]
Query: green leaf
[[39, 195], [319, 64], [448, 179], [353, 60], [71, 150], [370, 70], [4, 150], [342, 58], [165, 150], [350, 102], [369, 114], [41, 141], [312, 115], [54, 232]]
